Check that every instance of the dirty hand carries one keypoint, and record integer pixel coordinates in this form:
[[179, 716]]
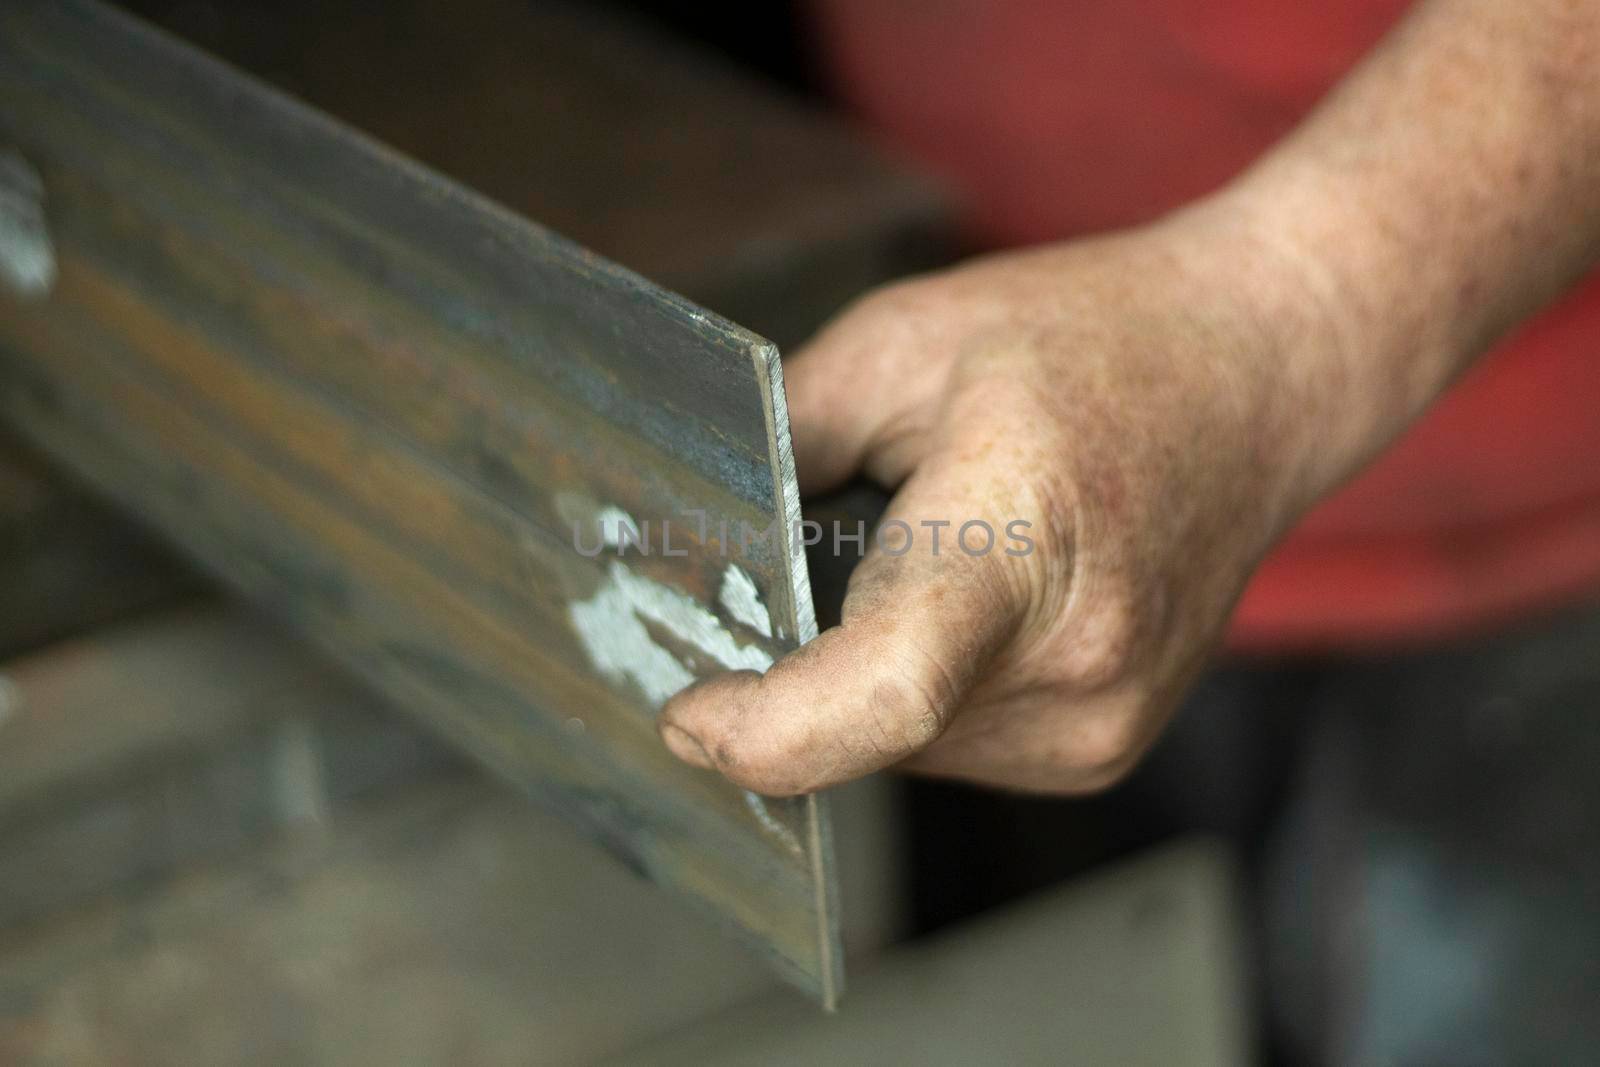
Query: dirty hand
[[1160, 405], [1126, 399]]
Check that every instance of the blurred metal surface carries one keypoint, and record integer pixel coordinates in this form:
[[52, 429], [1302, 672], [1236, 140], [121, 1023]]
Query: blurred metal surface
[[445, 923], [378, 404], [639, 144], [183, 736], [1140, 964], [214, 848]]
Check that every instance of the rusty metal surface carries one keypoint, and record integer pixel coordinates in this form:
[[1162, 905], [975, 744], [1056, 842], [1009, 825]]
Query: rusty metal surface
[[377, 404], [638, 144]]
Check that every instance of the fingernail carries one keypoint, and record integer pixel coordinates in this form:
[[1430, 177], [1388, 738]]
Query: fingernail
[[685, 747]]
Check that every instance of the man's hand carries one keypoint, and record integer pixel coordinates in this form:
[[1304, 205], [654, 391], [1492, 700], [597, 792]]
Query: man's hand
[[1124, 398], [1160, 405]]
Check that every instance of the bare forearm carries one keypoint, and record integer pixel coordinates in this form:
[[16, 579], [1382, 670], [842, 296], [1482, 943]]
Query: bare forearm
[[1448, 189]]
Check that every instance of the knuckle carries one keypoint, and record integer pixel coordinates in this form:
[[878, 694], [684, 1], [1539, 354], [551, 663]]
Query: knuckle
[[905, 717], [914, 702], [1098, 753], [893, 299], [878, 311], [1105, 643]]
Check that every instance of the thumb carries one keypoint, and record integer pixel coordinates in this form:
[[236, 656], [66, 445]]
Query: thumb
[[920, 629]]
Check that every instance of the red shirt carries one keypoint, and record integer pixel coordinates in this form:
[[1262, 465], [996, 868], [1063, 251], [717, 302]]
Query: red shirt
[[1053, 118]]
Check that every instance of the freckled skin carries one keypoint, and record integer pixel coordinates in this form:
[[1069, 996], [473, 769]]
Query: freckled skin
[[1161, 404]]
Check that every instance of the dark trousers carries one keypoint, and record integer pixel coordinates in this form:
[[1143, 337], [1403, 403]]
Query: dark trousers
[[1420, 835]]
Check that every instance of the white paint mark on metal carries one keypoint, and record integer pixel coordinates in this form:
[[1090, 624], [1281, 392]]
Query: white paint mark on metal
[[614, 523], [743, 600], [620, 646], [611, 625], [758, 808], [27, 255], [595, 527]]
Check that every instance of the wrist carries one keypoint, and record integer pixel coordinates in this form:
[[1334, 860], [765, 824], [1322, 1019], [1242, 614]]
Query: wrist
[[1290, 342], [1348, 354]]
